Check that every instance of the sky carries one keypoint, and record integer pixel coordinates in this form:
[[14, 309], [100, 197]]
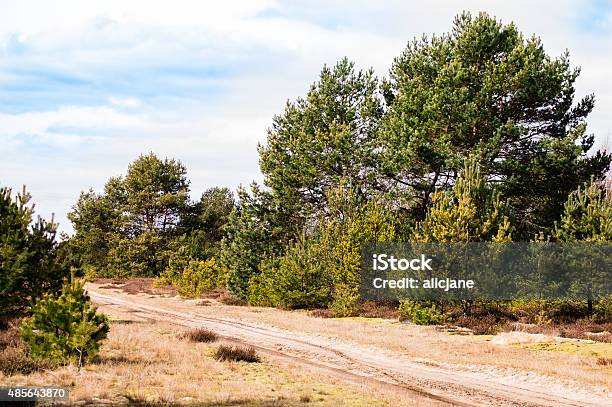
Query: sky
[[88, 86]]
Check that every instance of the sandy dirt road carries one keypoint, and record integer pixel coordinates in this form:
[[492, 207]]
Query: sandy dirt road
[[385, 370]]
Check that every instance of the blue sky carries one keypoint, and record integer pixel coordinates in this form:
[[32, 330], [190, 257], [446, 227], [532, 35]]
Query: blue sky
[[85, 87]]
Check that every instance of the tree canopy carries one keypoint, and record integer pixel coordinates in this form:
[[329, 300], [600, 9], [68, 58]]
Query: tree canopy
[[482, 89], [142, 219]]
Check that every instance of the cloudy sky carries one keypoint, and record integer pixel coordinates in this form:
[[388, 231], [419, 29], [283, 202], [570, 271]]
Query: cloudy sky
[[85, 87]]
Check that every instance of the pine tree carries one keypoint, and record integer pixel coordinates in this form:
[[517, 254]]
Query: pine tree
[[587, 216], [257, 229], [66, 328], [485, 88], [128, 229], [29, 265], [471, 212]]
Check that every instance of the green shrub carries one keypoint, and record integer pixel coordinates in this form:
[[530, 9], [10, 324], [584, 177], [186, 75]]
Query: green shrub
[[301, 278], [197, 277], [255, 231], [419, 312], [298, 279], [259, 290], [237, 354], [65, 329], [603, 309], [346, 301], [344, 237]]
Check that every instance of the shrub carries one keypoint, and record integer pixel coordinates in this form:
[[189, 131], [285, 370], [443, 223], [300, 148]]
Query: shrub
[[65, 329], [237, 354], [201, 335], [603, 310], [603, 361], [298, 279], [419, 312], [14, 358], [479, 325], [346, 301], [345, 236], [197, 277], [258, 229], [230, 299]]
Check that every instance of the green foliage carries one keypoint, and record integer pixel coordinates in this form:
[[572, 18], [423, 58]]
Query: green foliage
[[587, 216], [65, 329], [485, 89], [141, 219], [192, 278], [29, 261], [206, 221], [323, 268], [126, 231], [261, 288], [345, 300], [472, 211], [95, 219], [300, 278], [258, 229], [419, 312], [322, 138], [350, 227]]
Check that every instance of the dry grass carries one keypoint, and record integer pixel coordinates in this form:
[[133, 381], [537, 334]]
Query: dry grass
[[423, 342], [146, 363], [321, 313], [369, 309], [237, 354], [372, 309]]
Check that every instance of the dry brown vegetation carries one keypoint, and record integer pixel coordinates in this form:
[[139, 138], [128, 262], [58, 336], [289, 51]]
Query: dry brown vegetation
[[237, 354], [229, 299], [136, 285], [14, 358], [599, 332], [146, 363], [200, 335]]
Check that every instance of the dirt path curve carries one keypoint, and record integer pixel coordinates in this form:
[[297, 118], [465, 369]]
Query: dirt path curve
[[356, 363]]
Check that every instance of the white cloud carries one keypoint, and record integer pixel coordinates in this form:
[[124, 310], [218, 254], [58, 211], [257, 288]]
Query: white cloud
[[87, 86], [129, 103]]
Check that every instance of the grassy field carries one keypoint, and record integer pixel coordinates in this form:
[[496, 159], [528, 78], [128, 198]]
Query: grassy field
[[144, 362]]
